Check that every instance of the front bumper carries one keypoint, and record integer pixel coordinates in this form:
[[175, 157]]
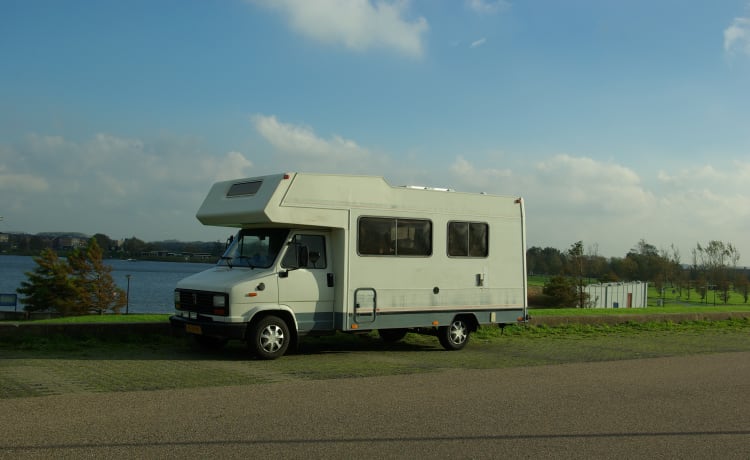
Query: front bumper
[[209, 328]]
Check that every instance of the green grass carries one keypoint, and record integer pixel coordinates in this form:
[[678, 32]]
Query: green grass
[[668, 309], [534, 312], [87, 319], [41, 366]]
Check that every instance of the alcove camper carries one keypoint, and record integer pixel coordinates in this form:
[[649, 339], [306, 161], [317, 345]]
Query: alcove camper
[[317, 253]]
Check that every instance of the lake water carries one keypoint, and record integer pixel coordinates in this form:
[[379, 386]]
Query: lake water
[[151, 283]]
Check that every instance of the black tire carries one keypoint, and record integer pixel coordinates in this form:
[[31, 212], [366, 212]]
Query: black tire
[[209, 343], [455, 336], [269, 338], [391, 335]]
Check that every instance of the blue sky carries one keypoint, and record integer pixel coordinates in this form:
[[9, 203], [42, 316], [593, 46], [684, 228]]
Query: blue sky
[[616, 121]]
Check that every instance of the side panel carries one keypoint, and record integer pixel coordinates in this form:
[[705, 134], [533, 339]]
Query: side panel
[[414, 291]]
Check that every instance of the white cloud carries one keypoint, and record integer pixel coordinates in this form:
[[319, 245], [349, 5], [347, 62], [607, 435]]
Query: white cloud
[[478, 43], [487, 6], [234, 165], [737, 36], [475, 179], [710, 196], [23, 183], [576, 198], [301, 141], [109, 184], [586, 183], [357, 24]]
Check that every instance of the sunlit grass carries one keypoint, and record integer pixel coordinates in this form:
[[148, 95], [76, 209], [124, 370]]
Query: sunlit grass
[[109, 318], [669, 309]]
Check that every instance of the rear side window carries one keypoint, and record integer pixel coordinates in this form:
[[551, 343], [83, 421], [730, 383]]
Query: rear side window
[[388, 236], [468, 239]]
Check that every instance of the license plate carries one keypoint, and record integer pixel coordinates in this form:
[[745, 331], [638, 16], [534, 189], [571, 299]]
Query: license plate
[[193, 329]]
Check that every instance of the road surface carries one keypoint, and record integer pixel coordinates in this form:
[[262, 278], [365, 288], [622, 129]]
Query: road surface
[[682, 407]]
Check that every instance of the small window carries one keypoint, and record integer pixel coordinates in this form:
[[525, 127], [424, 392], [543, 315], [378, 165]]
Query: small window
[[244, 188], [315, 245], [387, 236], [468, 239]]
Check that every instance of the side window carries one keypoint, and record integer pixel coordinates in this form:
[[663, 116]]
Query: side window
[[387, 236], [315, 245], [468, 239]]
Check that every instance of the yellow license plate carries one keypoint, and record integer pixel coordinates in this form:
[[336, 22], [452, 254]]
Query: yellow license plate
[[193, 329]]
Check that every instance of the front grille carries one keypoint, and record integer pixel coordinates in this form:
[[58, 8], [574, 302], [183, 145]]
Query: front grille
[[201, 302]]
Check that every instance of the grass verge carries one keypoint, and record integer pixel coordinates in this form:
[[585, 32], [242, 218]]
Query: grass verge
[[38, 366]]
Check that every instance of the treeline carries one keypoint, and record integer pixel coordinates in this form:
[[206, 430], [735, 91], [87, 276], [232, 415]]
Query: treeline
[[711, 267], [63, 243]]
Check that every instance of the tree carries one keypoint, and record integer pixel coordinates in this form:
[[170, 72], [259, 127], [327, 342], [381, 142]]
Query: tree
[[133, 246], [576, 258], [104, 242], [50, 286], [99, 292], [717, 261], [647, 260], [742, 286], [80, 285], [562, 292]]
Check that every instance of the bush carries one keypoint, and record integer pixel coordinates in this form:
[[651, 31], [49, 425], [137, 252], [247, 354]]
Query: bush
[[562, 292]]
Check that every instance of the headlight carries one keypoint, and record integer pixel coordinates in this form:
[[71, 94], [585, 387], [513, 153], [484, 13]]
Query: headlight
[[220, 301], [177, 299]]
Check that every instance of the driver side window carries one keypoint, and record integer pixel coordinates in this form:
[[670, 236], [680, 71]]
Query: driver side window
[[316, 252]]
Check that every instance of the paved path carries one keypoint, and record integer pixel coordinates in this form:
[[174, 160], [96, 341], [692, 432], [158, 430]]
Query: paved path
[[685, 407]]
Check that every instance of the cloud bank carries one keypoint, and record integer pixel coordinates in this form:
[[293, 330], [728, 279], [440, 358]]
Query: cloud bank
[[125, 187]]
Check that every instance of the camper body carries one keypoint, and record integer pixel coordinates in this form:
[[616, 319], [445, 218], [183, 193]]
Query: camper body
[[317, 253]]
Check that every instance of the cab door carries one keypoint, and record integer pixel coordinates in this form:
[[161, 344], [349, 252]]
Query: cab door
[[306, 280]]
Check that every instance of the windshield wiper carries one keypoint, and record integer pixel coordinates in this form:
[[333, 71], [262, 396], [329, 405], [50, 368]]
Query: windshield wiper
[[249, 264], [228, 259]]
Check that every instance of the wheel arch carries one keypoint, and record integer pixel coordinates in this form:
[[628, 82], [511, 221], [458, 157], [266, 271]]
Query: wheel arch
[[285, 314], [470, 319]]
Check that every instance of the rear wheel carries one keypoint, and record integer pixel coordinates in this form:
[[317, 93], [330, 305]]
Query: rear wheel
[[269, 338], [391, 335], [455, 336]]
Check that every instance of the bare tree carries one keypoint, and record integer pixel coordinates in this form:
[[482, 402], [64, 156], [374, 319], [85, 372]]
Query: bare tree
[[717, 261]]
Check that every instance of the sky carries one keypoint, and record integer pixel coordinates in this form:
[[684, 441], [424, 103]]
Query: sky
[[615, 121]]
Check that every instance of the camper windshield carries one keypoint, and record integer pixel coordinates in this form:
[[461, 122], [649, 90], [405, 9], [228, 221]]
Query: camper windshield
[[254, 248]]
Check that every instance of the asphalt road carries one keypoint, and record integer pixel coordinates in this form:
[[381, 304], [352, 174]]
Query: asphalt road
[[683, 407]]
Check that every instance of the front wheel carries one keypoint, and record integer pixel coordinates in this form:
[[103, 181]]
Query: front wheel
[[269, 338], [455, 336]]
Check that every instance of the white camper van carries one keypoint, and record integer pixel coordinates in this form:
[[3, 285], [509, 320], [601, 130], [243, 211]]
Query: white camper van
[[318, 253]]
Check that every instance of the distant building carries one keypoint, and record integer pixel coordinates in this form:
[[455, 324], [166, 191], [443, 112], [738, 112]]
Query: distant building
[[618, 295], [69, 242]]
